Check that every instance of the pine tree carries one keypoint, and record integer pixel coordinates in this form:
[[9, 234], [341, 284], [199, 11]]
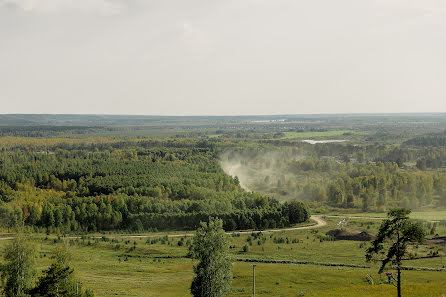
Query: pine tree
[[57, 280], [395, 233]]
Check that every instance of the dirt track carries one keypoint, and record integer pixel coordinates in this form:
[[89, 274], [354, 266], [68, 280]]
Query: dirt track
[[318, 219], [319, 223], [356, 217]]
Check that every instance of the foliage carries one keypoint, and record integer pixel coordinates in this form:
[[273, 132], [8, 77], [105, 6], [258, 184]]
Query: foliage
[[298, 212], [213, 273], [57, 279], [18, 270], [371, 178], [400, 231], [127, 185]]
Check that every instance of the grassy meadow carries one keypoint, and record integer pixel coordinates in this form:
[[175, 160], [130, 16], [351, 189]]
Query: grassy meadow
[[156, 265]]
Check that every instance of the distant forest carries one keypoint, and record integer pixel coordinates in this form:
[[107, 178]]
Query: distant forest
[[79, 173]]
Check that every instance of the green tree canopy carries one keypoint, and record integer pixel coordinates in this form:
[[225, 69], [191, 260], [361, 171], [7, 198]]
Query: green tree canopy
[[298, 212], [18, 270], [213, 273]]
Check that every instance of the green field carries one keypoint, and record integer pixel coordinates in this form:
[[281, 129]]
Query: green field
[[112, 267]]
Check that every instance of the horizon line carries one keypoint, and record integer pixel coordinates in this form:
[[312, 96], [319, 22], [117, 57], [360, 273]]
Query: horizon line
[[229, 115]]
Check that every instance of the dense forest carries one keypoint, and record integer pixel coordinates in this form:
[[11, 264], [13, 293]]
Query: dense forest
[[104, 173], [129, 186]]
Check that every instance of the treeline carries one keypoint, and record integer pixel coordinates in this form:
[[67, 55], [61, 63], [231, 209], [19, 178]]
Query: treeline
[[341, 151], [138, 214], [436, 140], [432, 159], [382, 186], [432, 150], [327, 175], [371, 186], [51, 145], [274, 216], [157, 172], [46, 131]]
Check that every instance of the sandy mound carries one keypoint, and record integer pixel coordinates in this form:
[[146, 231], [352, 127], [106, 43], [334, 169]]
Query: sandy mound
[[344, 235], [436, 240]]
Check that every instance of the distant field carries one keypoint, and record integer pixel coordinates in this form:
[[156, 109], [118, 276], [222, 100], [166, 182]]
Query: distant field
[[432, 215], [291, 135]]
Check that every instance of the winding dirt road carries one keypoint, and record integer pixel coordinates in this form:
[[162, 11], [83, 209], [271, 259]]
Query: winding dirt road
[[318, 219]]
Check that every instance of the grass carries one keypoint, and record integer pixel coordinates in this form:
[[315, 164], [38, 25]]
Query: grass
[[112, 267], [430, 215], [301, 280], [415, 289]]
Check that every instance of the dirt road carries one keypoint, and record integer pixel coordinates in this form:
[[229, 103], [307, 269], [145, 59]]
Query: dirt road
[[318, 219], [356, 217]]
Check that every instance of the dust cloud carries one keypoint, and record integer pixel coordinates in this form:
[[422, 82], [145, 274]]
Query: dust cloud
[[269, 171]]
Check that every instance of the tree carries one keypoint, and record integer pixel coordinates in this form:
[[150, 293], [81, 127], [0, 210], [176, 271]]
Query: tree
[[57, 280], [298, 212], [394, 235], [6, 217], [213, 273], [335, 194], [18, 271], [34, 215]]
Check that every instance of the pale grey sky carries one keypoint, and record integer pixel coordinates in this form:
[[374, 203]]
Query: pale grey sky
[[226, 57]]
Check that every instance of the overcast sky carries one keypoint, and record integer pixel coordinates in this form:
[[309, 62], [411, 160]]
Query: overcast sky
[[227, 57]]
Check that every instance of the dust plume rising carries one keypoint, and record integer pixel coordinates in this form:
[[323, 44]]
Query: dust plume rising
[[267, 171]]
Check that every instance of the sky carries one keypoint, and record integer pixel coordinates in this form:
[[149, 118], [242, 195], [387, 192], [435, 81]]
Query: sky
[[226, 57]]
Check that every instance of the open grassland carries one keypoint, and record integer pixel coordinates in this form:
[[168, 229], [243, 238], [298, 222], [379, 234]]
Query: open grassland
[[143, 274], [122, 265], [431, 215], [412, 289]]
